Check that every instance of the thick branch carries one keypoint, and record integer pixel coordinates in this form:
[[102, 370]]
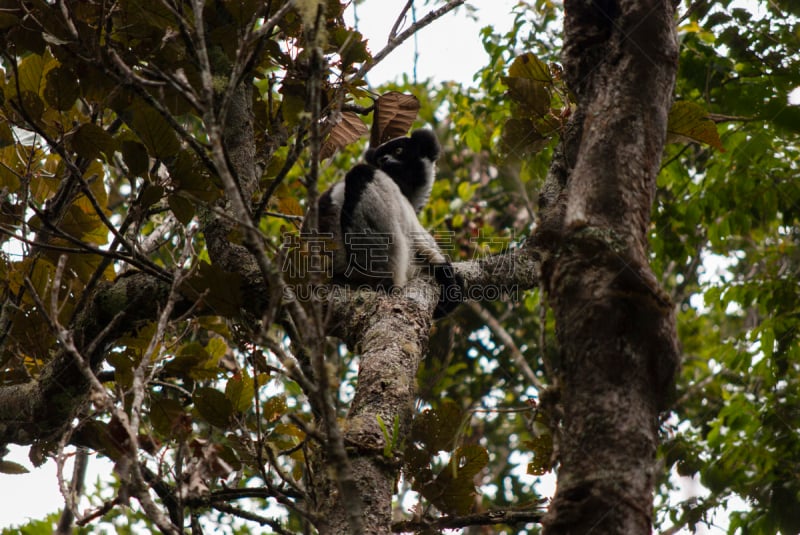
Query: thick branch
[[40, 409]]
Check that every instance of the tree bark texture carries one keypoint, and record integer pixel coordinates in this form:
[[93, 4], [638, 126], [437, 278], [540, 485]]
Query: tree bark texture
[[615, 326], [393, 337]]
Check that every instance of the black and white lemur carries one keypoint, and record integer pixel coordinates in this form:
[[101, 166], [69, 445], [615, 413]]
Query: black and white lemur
[[372, 218]]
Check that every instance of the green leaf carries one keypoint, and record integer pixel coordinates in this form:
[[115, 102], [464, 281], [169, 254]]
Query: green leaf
[[169, 418], [6, 136], [435, 429], [541, 444], [151, 195], [61, 89], [688, 121], [240, 391], [520, 138], [213, 406], [134, 154], [123, 367], [154, 131], [453, 490], [390, 439], [89, 140], [352, 46], [194, 361], [767, 341], [10, 467], [466, 191], [182, 208], [294, 100], [221, 290], [191, 177]]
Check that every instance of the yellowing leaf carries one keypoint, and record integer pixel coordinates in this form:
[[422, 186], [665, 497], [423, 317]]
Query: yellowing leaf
[[530, 67], [274, 408], [82, 222], [240, 390], [32, 71], [217, 348], [8, 177], [532, 96], [688, 121], [289, 206]]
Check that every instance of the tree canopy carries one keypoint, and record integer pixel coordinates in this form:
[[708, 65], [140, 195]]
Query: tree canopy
[[157, 159]]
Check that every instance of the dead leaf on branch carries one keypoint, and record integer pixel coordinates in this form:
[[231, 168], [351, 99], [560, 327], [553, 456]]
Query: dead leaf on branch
[[349, 129], [393, 116]]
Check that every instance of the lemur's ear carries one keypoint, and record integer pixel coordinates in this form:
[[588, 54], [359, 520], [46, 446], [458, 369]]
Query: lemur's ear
[[428, 144]]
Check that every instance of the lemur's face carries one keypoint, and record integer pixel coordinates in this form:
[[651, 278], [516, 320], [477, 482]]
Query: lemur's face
[[405, 152], [394, 154], [411, 164]]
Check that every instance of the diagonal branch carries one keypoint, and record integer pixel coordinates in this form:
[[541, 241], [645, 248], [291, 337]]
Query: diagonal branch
[[398, 40]]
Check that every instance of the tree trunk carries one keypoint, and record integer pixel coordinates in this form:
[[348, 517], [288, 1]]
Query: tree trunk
[[391, 349], [615, 326]]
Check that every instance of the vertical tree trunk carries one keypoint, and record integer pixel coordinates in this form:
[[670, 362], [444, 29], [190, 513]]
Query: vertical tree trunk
[[391, 348], [616, 328]]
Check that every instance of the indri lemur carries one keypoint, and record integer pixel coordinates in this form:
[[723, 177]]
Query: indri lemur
[[372, 216]]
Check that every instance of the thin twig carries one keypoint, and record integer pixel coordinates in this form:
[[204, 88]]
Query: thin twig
[[506, 339], [246, 515], [399, 39], [291, 159], [75, 489], [400, 18]]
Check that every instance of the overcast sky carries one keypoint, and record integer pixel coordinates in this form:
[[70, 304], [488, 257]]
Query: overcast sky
[[449, 49]]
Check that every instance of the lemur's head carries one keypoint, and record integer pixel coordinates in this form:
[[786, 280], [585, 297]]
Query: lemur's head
[[410, 161]]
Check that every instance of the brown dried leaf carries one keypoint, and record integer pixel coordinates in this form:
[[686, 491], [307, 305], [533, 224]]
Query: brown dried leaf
[[346, 131], [394, 114]]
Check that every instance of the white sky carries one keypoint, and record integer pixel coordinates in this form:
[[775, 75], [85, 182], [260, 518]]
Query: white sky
[[449, 49]]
